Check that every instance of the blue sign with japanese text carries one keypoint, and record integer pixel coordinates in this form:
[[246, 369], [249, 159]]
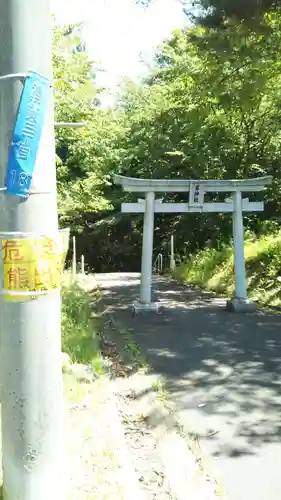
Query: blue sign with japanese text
[[27, 134]]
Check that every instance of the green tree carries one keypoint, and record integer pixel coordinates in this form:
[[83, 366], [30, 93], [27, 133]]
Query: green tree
[[210, 108], [213, 12], [83, 152]]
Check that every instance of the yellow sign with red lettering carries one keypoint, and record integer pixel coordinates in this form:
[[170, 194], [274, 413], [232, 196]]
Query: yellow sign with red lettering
[[31, 265]]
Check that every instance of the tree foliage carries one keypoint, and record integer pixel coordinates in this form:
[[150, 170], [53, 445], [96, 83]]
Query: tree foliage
[[210, 108], [214, 12], [82, 153]]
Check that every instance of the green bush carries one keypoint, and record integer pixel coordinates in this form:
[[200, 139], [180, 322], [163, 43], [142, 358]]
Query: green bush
[[80, 326], [213, 269]]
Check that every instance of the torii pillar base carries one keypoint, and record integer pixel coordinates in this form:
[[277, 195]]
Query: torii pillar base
[[140, 307], [241, 305]]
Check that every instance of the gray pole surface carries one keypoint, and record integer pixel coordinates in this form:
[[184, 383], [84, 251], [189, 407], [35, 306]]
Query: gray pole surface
[[31, 377]]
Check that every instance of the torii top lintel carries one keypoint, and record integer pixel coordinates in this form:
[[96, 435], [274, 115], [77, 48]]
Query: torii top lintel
[[136, 185]]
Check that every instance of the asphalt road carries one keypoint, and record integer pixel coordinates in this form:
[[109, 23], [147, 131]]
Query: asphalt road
[[223, 370]]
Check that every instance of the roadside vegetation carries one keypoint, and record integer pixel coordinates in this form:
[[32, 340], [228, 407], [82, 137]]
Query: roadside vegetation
[[213, 269], [81, 325]]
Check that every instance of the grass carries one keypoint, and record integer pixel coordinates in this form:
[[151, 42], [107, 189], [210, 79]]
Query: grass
[[213, 269], [81, 326], [129, 351], [160, 389]]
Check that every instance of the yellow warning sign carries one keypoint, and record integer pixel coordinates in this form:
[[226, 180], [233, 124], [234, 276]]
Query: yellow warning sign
[[31, 265]]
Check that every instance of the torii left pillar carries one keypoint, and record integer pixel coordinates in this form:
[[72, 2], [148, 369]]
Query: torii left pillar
[[145, 303]]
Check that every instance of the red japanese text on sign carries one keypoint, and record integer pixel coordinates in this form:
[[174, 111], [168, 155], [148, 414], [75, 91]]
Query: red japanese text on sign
[[12, 251], [17, 278]]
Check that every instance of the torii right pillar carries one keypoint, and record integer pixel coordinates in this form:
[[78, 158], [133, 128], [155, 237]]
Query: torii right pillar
[[240, 302]]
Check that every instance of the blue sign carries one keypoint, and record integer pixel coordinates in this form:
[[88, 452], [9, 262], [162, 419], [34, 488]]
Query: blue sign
[[27, 134]]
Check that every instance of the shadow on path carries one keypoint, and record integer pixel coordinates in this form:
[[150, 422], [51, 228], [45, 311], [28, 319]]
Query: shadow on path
[[224, 372]]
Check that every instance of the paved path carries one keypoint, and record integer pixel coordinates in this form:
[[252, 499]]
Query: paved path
[[223, 370]]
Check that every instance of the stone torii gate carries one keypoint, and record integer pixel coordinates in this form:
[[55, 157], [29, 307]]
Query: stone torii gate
[[197, 189]]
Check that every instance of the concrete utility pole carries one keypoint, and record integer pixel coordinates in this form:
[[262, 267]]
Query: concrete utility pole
[[31, 377]]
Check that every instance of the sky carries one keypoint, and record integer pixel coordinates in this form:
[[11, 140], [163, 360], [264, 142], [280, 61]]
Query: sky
[[116, 32]]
